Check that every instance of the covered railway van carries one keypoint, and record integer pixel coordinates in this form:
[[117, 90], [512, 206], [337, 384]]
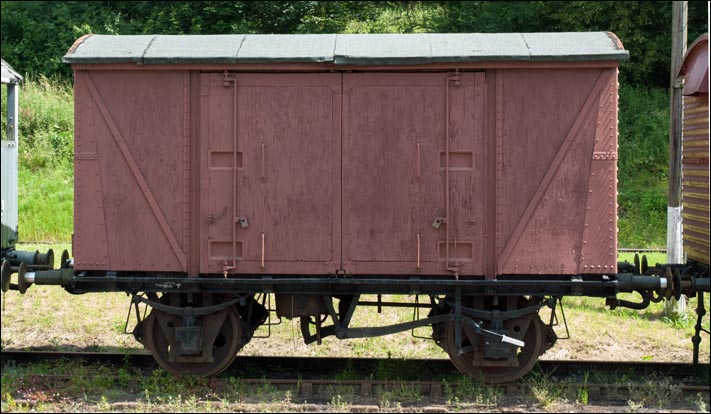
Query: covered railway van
[[475, 174]]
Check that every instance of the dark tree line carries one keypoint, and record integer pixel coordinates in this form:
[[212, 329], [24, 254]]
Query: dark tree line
[[36, 34]]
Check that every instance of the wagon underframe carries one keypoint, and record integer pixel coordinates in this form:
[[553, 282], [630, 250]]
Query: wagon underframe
[[588, 285]]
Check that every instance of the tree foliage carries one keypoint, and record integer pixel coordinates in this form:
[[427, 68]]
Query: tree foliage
[[36, 34]]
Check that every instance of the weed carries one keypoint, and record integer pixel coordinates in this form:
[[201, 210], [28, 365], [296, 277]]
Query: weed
[[466, 389], [544, 390], [398, 392], [340, 395], [679, 321], [147, 399], [633, 407], [338, 401], [348, 373], [388, 369], [287, 396], [236, 390], [119, 325], [103, 404], [8, 402], [398, 369], [655, 391], [159, 383], [264, 391], [189, 405], [123, 377], [583, 391], [699, 403]]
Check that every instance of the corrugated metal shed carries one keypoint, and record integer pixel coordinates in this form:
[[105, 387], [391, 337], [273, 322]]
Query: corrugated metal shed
[[9, 75], [347, 49]]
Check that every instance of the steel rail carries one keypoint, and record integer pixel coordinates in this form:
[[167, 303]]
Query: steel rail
[[300, 366]]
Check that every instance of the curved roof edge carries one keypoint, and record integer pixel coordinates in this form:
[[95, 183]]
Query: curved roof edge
[[695, 67], [346, 49]]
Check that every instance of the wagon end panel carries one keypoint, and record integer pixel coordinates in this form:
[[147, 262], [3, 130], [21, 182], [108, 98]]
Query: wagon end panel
[[556, 171], [131, 174], [405, 189], [271, 145]]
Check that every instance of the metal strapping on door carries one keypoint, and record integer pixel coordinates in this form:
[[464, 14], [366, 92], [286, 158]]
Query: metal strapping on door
[[419, 161], [264, 180], [418, 250], [264, 162], [418, 179], [235, 217], [262, 262], [451, 78]]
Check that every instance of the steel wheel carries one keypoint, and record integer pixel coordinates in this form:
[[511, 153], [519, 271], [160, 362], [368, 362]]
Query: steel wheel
[[221, 330], [528, 329]]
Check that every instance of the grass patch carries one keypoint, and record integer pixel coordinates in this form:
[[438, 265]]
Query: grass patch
[[654, 391], [46, 205], [399, 392], [471, 391], [340, 395], [545, 391]]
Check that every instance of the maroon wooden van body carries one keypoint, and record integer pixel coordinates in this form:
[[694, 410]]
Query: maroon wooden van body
[[474, 168]]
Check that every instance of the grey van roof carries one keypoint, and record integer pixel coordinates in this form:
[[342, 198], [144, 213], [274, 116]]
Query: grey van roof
[[347, 49]]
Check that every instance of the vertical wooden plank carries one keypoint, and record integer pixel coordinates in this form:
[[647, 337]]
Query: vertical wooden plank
[[492, 135], [204, 127], [195, 173], [499, 169]]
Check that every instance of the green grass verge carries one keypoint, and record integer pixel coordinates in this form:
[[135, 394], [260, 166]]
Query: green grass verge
[[46, 207]]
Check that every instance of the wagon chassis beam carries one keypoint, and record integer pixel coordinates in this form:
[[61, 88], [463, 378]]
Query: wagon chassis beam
[[343, 286], [540, 285]]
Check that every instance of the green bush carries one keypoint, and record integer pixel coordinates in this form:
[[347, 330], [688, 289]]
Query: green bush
[[46, 124], [643, 166]]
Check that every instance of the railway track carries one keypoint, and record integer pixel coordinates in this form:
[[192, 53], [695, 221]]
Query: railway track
[[316, 367], [313, 379]]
